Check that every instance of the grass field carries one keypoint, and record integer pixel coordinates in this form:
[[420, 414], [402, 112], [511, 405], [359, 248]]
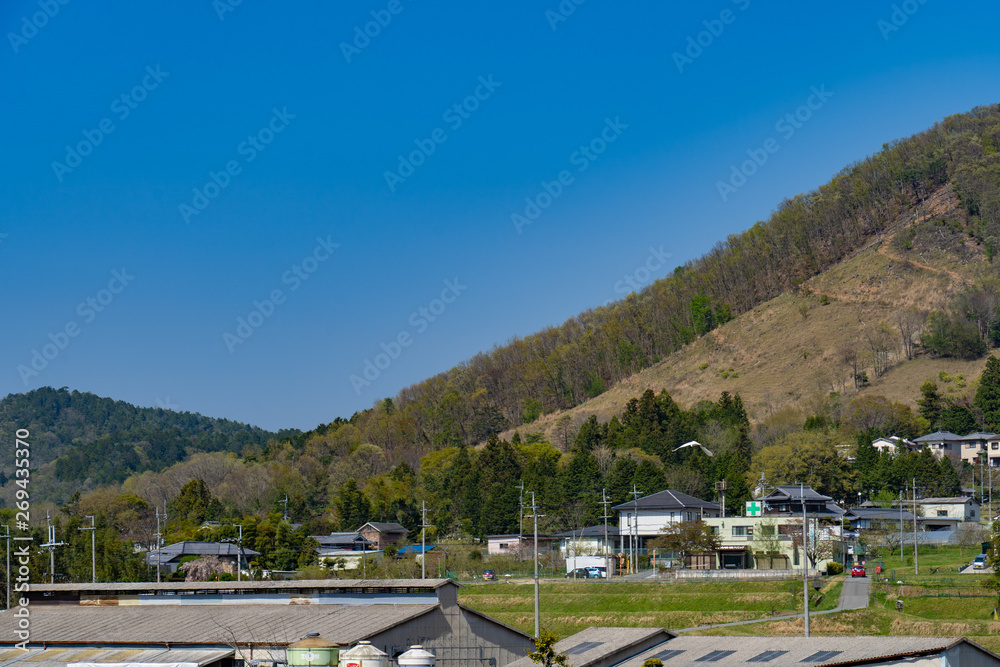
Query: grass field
[[938, 601], [568, 607]]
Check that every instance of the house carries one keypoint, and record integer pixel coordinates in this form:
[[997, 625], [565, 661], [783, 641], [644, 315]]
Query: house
[[642, 519], [769, 542], [343, 542], [628, 647], [223, 624], [868, 518], [959, 509], [589, 541], [383, 534], [976, 444], [169, 557], [993, 451], [517, 545], [788, 499], [941, 443], [893, 444]]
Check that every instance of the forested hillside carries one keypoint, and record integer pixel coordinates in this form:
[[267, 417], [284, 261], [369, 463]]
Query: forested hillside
[[81, 440]]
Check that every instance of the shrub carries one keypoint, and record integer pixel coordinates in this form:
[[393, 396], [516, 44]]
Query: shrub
[[833, 568]]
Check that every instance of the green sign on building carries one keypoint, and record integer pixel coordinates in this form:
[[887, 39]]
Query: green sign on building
[[754, 508]]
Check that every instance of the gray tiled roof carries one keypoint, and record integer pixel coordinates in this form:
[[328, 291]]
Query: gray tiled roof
[[668, 500], [794, 650], [208, 624], [938, 436], [386, 527]]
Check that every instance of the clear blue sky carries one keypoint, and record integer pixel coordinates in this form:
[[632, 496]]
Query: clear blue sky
[[309, 128]]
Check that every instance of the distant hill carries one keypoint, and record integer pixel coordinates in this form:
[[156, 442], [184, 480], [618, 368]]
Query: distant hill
[[80, 440]]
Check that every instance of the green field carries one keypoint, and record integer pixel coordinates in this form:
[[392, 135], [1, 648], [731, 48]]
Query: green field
[[937, 601], [568, 607]]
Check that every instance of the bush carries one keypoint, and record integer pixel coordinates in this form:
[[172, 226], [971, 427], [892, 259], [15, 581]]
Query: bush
[[833, 568]]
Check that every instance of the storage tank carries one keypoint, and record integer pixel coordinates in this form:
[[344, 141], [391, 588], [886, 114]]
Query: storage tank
[[312, 651], [416, 657], [363, 655]]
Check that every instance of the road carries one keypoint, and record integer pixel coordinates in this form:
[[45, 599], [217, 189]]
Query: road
[[854, 595]]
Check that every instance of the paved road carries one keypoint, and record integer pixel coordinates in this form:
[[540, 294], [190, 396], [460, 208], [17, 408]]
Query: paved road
[[854, 595]]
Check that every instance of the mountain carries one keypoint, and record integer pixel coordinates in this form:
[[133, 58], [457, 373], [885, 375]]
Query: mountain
[[80, 440]]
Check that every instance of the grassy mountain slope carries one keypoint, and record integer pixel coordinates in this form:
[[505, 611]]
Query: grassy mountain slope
[[786, 350]]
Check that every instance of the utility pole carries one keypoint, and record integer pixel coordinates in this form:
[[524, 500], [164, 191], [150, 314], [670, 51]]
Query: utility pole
[[52, 544], [635, 519], [7, 537], [535, 515], [93, 548], [607, 560], [916, 550], [284, 516], [159, 536], [900, 525], [805, 558], [520, 514], [423, 539]]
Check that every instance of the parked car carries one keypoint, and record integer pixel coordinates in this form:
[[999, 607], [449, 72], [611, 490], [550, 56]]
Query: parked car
[[980, 562], [584, 573], [489, 575], [858, 571]]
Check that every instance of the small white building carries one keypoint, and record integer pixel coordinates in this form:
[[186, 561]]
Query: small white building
[[962, 509]]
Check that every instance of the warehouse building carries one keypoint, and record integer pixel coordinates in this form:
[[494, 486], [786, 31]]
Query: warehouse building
[[231, 624], [632, 647]]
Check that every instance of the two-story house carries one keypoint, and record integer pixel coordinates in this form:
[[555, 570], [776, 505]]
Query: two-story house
[[642, 519]]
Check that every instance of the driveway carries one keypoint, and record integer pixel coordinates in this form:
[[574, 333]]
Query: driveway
[[854, 595]]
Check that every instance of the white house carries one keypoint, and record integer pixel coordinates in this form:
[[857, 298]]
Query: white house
[[962, 509], [892, 444], [644, 518]]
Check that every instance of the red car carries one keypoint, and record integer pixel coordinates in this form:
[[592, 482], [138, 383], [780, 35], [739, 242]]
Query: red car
[[858, 571]]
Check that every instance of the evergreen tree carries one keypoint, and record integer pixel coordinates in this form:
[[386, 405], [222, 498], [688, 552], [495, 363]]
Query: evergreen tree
[[958, 419], [988, 395], [352, 506], [499, 472], [930, 403]]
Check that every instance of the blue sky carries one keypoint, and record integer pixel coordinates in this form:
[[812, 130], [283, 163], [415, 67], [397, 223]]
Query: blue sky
[[213, 154]]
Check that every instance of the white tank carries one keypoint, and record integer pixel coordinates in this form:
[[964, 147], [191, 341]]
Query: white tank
[[416, 657], [363, 655]]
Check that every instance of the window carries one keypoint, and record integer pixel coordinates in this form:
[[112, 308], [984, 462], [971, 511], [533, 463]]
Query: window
[[666, 655], [714, 656], [583, 648], [767, 530], [504, 545], [995, 445], [739, 531], [715, 530], [767, 656], [942, 512], [822, 656]]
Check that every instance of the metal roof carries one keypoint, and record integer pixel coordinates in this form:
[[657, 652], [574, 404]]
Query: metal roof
[[60, 657], [938, 436], [668, 500], [590, 531], [888, 514], [600, 644], [207, 625], [277, 586], [785, 651], [390, 527]]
